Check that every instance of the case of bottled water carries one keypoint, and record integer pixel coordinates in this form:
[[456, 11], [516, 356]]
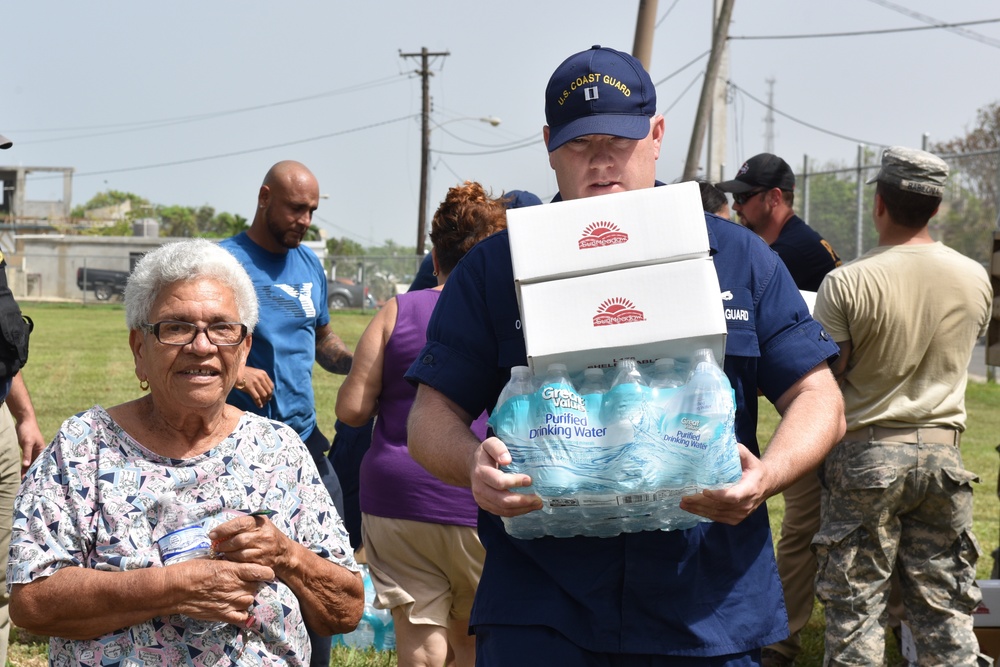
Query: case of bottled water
[[613, 451], [375, 629]]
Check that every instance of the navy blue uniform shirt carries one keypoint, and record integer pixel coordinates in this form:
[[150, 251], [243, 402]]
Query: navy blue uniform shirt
[[710, 590], [806, 254]]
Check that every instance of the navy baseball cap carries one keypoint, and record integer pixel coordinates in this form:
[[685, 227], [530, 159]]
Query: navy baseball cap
[[520, 199], [763, 170], [599, 91], [5, 142]]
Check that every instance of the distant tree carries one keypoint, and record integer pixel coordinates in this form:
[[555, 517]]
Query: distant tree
[[344, 246], [966, 223], [969, 213], [203, 218], [111, 198], [833, 209], [977, 173], [119, 228], [225, 225], [178, 221]]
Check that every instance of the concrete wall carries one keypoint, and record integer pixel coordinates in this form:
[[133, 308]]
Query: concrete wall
[[44, 265]]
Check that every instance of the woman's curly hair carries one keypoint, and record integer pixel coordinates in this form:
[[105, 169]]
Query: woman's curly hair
[[467, 215]]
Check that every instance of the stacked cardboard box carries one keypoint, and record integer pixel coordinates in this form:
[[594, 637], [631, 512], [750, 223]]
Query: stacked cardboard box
[[627, 274], [986, 619]]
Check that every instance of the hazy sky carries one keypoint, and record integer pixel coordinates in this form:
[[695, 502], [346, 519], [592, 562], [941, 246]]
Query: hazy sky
[[190, 102]]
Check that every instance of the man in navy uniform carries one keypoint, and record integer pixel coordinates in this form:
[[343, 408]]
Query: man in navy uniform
[[705, 596]]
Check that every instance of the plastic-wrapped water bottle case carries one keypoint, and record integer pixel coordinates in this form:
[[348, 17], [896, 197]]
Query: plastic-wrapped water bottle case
[[613, 451], [376, 629]]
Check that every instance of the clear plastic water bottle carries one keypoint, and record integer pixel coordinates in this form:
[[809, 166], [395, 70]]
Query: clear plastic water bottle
[[558, 404], [709, 396], [521, 383], [376, 624], [592, 389], [625, 416], [181, 536], [362, 636], [511, 420], [625, 402], [557, 479], [665, 374]]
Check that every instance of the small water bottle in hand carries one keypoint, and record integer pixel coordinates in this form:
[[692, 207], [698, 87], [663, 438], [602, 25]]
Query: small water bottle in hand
[[181, 537]]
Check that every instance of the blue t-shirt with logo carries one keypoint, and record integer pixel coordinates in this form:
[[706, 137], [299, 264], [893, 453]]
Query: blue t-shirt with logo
[[291, 290], [711, 590]]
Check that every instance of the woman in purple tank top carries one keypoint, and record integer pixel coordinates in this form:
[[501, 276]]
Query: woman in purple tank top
[[419, 534]]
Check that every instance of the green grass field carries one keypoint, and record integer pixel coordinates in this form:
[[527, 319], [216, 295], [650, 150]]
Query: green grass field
[[80, 357]]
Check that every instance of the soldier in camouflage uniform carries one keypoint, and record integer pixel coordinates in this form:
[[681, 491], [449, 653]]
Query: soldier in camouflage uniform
[[895, 492]]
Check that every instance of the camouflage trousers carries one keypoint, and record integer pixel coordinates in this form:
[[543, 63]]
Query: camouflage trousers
[[897, 505]]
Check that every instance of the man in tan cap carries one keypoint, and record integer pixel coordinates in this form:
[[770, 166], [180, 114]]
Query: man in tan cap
[[896, 494]]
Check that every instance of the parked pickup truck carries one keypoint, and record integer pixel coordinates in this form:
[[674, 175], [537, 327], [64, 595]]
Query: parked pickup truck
[[105, 282], [342, 293]]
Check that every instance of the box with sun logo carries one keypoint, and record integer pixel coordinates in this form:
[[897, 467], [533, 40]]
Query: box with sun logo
[[622, 275], [647, 312], [618, 231]]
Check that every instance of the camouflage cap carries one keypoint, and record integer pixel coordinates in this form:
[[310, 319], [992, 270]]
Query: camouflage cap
[[913, 170]]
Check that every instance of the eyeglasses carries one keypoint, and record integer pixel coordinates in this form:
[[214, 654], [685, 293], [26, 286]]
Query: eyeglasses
[[743, 197], [172, 332]]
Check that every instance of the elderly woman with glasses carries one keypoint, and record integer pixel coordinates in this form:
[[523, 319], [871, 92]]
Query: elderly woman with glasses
[[256, 549]]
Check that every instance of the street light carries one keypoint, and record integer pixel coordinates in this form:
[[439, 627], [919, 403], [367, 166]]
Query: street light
[[425, 154], [492, 120]]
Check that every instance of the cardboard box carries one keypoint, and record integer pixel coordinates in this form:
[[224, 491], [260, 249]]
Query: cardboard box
[[647, 312], [988, 613], [989, 642], [622, 230], [810, 299]]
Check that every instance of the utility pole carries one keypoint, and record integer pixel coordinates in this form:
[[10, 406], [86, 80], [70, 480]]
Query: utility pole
[[425, 137], [769, 118], [715, 161], [719, 36], [642, 47]]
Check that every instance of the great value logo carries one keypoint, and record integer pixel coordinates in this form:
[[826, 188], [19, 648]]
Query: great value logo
[[601, 234], [617, 310]]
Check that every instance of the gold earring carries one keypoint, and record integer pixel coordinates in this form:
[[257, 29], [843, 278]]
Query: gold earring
[[143, 385]]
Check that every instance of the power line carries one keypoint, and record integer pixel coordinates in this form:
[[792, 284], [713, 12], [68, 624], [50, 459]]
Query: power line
[[804, 123], [528, 142], [219, 156], [665, 14], [863, 32], [343, 230], [534, 135], [134, 126], [683, 67], [696, 79], [938, 23]]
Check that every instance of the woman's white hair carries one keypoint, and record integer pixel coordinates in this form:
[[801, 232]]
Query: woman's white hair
[[183, 261]]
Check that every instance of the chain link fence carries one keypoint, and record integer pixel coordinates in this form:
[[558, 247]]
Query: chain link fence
[[837, 203]]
